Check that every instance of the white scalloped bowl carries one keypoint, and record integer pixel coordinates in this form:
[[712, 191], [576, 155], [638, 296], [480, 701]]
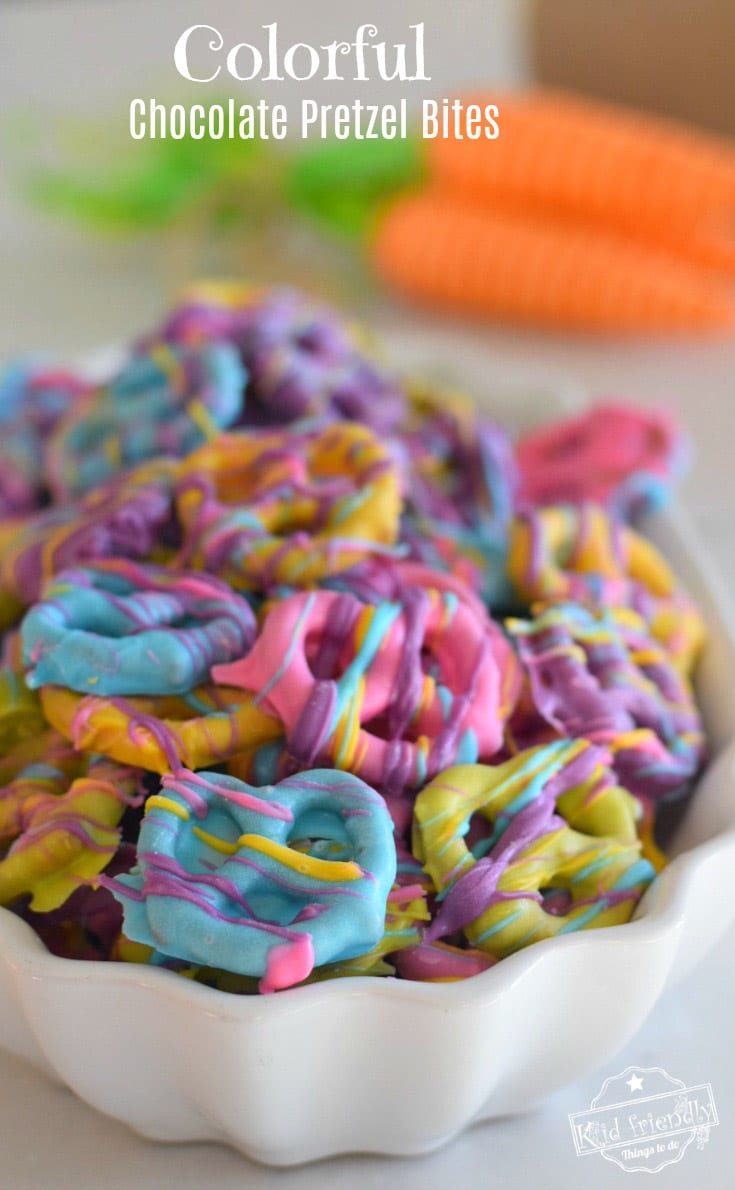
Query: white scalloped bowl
[[383, 1065]]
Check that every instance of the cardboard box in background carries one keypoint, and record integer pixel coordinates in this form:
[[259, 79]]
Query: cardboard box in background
[[676, 57]]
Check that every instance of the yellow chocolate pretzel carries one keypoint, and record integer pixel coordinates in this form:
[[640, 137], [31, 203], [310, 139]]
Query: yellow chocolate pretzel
[[601, 874], [162, 733]]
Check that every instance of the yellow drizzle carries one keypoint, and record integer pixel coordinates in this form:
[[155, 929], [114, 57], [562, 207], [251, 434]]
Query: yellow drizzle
[[215, 842], [202, 418], [167, 803], [306, 865]]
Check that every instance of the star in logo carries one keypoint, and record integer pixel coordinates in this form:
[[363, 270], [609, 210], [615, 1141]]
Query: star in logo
[[635, 1082]]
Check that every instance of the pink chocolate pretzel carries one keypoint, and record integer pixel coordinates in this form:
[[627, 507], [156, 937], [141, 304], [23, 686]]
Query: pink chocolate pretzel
[[393, 692]]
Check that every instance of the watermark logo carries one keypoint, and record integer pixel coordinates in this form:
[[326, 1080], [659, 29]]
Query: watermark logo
[[643, 1119]]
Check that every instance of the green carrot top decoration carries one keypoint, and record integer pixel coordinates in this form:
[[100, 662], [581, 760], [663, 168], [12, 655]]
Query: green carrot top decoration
[[153, 184]]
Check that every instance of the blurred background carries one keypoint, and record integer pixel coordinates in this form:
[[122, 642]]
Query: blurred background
[[71, 280], [78, 63]]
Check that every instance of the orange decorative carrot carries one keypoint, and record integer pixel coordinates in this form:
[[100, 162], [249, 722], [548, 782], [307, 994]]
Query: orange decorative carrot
[[710, 242], [443, 251], [566, 156]]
